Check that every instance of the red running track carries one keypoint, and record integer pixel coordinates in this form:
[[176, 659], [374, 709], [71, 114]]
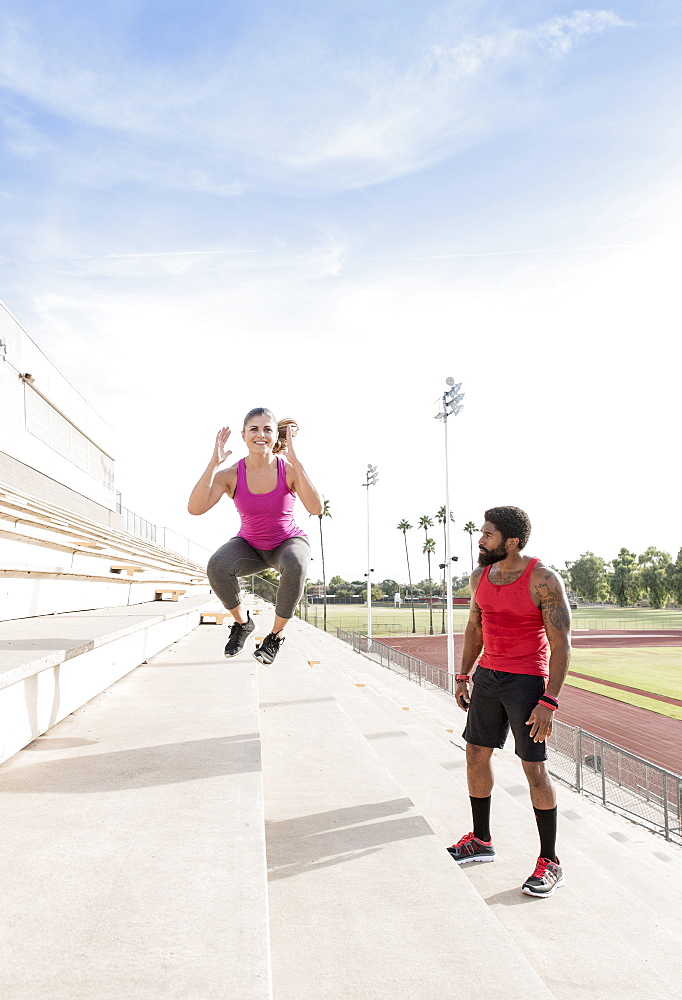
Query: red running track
[[647, 734]]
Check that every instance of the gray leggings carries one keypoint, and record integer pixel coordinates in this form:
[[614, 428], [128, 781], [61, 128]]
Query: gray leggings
[[238, 558]]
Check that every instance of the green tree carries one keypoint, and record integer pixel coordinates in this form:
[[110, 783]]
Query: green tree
[[325, 513], [390, 587], [336, 582], [564, 574], [429, 549], [624, 582], [425, 522], [675, 573], [470, 528], [588, 577], [405, 526], [654, 576], [377, 592]]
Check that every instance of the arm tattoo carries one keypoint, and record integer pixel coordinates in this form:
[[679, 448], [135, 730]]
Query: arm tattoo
[[553, 606]]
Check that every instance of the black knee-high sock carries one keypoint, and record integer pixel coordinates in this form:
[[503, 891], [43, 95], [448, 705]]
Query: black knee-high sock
[[546, 820], [480, 810]]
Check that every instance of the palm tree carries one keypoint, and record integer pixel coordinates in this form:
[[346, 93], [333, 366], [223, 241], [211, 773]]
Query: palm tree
[[441, 517], [470, 528], [425, 522], [325, 513], [405, 526], [429, 549]]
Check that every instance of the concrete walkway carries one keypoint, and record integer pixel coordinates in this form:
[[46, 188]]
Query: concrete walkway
[[133, 861], [134, 838]]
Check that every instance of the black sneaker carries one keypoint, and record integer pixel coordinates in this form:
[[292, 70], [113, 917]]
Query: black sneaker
[[470, 848], [239, 633], [546, 878], [269, 648]]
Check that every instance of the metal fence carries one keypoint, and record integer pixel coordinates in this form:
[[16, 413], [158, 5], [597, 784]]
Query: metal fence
[[164, 537], [645, 623], [415, 670], [629, 785]]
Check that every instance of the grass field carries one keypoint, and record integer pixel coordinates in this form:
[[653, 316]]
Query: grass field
[[655, 669], [387, 621], [650, 668]]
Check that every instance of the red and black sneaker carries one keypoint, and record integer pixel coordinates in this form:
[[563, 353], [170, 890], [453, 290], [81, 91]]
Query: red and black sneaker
[[470, 848], [546, 878]]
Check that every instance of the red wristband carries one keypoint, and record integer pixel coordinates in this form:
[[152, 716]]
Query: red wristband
[[549, 704], [461, 677]]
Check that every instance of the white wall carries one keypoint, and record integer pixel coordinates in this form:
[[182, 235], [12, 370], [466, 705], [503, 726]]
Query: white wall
[[22, 355]]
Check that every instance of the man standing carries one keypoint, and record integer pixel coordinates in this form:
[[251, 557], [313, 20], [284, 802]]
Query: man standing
[[520, 619]]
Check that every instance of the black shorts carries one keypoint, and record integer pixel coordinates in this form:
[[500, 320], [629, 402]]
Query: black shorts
[[501, 701]]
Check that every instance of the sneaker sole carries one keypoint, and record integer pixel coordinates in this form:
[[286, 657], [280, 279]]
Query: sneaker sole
[[543, 895], [228, 656], [470, 861], [263, 657]]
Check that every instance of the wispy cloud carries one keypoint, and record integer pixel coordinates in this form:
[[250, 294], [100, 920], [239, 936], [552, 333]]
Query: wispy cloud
[[295, 261], [288, 110]]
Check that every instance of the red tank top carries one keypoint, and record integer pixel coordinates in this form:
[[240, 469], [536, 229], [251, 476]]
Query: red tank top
[[514, 637]]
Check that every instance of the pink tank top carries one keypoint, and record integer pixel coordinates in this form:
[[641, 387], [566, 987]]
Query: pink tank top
[[514, 637], [267, 518]]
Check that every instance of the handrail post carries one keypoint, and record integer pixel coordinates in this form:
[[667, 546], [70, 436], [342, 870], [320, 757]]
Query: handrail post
[[603, 775], [577, 751], [666, 817]]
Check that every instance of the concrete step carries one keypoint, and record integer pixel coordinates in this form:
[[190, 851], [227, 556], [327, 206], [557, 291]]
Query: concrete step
[[655, 877], [133, 858], [599, 915], [50, 666], [365, 903]]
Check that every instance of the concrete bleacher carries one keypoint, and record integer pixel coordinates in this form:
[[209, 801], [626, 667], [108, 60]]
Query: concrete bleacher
[[80, 606], [210, 828], [53, 560]]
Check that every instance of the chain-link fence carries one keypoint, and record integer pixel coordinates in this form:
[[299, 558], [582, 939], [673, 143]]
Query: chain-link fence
[[623, 782], [630, 785]]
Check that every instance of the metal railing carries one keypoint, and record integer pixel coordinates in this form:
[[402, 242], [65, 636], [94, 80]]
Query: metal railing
[[409, 666], [644, 792], [259, 586], [165, 537], [623, 782]]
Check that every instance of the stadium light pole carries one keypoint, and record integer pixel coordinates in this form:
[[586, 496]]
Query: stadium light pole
[[449, 405], [371, 479]]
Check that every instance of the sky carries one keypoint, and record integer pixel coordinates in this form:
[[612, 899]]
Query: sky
[[327, 209]]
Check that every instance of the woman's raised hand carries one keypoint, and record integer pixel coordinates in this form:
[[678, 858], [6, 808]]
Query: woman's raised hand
[[220, 453]]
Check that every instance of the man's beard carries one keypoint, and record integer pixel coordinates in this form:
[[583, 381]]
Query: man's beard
[[495, 555]]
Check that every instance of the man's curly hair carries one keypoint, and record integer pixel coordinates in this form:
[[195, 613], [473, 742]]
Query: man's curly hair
[[512, 522]]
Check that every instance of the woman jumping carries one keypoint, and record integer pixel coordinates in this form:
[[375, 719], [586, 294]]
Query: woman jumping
[[264, 488]]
